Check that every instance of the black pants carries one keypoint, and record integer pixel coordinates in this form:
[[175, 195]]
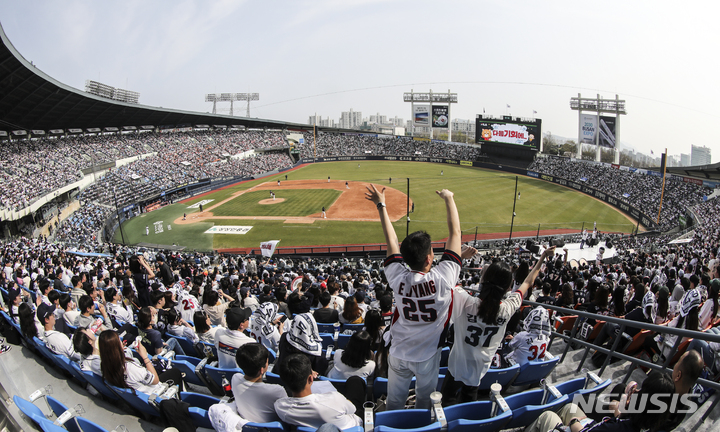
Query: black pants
[[450, 389], [174, 376]]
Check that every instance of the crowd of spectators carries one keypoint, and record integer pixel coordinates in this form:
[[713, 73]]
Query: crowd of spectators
[[329, 144], [247, 293], [83, 226], [639, 190], [32, 168]]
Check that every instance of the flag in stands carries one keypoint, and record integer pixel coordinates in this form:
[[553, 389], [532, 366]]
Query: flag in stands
[[268, 247]]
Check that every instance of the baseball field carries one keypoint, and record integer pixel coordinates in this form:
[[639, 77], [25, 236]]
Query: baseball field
[[245, 214]]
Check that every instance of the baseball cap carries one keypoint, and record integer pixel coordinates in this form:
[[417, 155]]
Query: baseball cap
[[44, 310], [12, 295], [236, 316], [160, 257]]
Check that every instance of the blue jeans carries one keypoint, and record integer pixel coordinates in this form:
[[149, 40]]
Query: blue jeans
[[173, 345]]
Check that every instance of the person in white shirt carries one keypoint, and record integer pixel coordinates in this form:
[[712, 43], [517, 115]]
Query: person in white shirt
[[424, 295], [203, 329], [254, 399], [178, 327], [84, 344], [227, 341], [355, 359], [480, 324], [307, 409], [123, 372], [56, 341], [116, 308]]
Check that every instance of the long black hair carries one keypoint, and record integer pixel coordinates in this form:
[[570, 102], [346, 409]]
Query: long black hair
[[495, 283], [358, 351]]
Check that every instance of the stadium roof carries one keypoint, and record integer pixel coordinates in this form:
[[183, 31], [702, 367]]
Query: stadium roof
[[708, 172], [31, 100]]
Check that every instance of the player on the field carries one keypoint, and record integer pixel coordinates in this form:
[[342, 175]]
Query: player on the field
[[480, 324], [423, 294]]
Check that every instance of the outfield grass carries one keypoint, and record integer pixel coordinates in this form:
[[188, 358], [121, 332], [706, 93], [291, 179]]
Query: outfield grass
[[301, 202], [484, 199]]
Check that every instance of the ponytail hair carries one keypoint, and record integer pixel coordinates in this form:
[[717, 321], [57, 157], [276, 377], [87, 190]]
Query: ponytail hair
[[496, 281]]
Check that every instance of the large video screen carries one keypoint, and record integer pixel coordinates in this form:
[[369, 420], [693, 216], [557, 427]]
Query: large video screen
[[516, 131]]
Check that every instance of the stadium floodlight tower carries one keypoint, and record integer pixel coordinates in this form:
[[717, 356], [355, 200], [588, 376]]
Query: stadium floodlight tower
[[231, 97], [600, 131]]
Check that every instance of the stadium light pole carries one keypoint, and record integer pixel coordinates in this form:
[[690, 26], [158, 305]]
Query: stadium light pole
[[117, 213], [512, 222]]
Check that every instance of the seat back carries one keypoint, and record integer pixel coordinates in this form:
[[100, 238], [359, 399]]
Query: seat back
[[273, 378], [327, 340], [88, 426], [637, 342], [326, 328], [186, 364], [216, 374], [527, 407], [187, 345], [58, 408], [29, 410], [533, 371], [200, 417], [501, 376], [475, 417], [97, 382], [444, 356], [343, 340], [403, 419], [48, 426], [137, 400], [198, 400], [262, 427], [353, 327]]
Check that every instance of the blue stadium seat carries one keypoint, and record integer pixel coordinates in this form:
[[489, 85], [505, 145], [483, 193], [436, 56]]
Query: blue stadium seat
[[343, 340], [99, 384], [311, 429], [88, 426], [405, 420], [216, 375], [32, 412], [273, 378], [204, 345], [353, 327], [137, 400], [380, 385], [264, 427], [533, 371], [187, 364], [327, 340], [500, 376], [199, 406], [527, 406], [58, 408], [48, 426], [576, 386], [475, 417], [71, 367], [326, 328], [187, 345]]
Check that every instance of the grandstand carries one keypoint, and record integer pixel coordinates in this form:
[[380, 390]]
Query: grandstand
[[84, 157]]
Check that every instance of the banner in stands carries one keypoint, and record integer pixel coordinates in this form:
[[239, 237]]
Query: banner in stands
[[607, 132], [421, 115], [440, 116], [588, 128], [516, 132]]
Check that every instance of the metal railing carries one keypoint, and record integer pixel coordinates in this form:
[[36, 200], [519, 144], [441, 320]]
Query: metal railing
[[612, 352]]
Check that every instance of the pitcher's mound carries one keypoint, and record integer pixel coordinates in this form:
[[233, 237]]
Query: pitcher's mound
[[272, 201]]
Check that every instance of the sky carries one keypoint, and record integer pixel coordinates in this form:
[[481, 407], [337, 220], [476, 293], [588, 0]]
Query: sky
[[306, 57]]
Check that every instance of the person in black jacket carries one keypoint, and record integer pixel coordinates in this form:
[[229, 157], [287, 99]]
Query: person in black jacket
[[166, 274], [326, 314]]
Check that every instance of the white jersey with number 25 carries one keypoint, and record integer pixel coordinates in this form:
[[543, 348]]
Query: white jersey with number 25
[[423, 306]]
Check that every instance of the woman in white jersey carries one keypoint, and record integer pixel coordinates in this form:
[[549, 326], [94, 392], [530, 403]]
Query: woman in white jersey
[[480, 324]]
